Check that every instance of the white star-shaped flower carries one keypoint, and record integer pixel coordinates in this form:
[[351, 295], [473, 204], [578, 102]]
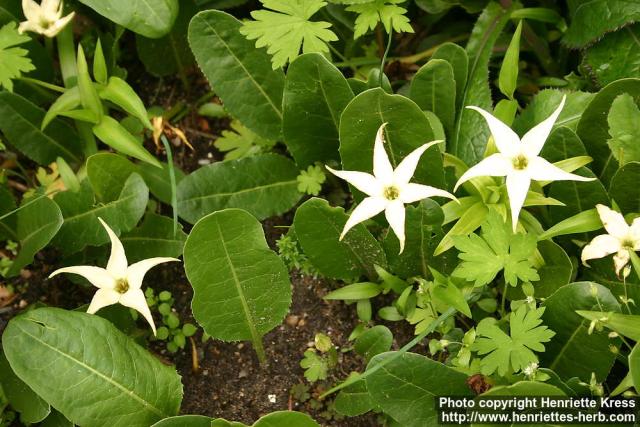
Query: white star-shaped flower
[[388, 189], [519, 160], [119, 282], [44, 18], [620, 240]]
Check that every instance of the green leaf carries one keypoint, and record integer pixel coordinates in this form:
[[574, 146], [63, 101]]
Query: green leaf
[[318, 227], [159, 181], [634, 365], [88, 93], [20, 123], [169, 54], [513, 352], [624, 128], [150, 19], [433, 88], [22, 399], [269, 189], [286, 29], [315, 366], [274, 419], [37, 223], [81, 227], [13, 60], [154, 238], [310, 181], [627, 325], [373, 342], [241, 287], [508, 78], [498, 249], [545, 103], [615, 56], [315, 95], [577, 198], [572, 335], [471, 133], [593, 128], [8, 226], [556, 271], [457, 57], [135, 388], [354, 400], [474, 215], [107, 173], [355, 291], [115, 135], [407, 387], [119, 93], [188, 421], [387, 12], [624, 188], [240, 142], [250, 90], [588, 25], [56, 419], [408, 128], [452, 296]]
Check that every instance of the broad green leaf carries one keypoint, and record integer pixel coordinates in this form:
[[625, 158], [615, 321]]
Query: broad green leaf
[[373, 342], [150, 19], [107, 173], [545, 102], [158, 180], [20, 123], [14, 61], [624, 128], [286, 29], [354, 400], [590, 20], [22, 399], [56, 419], [556, 271], [355, 291], [615, 56], [627, 325], [169, 54], [315, 95], [187, 421], [107, 379], [318, 227], [457, 57], [433, 88], [425, 223], [81, 227], [7, 225], [154, 238], [593, 129], [285, 419], [112, 133], [572, 336], [407, 129], [270, 188], [624, 188], [241, 287], [407, 387], [240, 74], [37, 223], [511, 352], [634, 365], [576, 196], [471, 133], [508, 77]]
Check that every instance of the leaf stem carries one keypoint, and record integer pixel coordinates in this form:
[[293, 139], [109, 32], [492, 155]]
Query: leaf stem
[[386, 54], [172, 179]]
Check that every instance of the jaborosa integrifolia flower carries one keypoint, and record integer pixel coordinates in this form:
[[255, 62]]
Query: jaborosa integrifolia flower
[[44, 18]]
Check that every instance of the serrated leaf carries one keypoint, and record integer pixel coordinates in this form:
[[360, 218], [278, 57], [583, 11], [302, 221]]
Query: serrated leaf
[[13, 60], [513, 352], [588, 25], [388, 12], [135, 388], [315, 367], [310, 181], [615, 56], [269, 189], [286, 29], [239, 142]]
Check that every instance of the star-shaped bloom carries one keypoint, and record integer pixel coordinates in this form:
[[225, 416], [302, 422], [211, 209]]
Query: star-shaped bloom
[[119, 282], [620, 240], [44, 18], [519, 160], [388, 189]]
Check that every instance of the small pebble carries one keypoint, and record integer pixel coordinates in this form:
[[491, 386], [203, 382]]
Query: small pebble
[[22, 303], [243, 373], [293, 320], [272, 398]]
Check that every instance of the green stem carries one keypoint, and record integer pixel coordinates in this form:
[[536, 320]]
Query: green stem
[[384, 57], [40, 83], [259, 348], [67, 56], [504, 299], [172, 179]]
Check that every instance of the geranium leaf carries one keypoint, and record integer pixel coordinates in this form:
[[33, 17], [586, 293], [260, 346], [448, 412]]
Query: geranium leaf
[[13, 60]]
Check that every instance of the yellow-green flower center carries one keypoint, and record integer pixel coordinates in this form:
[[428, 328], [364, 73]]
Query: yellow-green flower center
[[391, 192], [520, 162], [122, 286], [627, 244]]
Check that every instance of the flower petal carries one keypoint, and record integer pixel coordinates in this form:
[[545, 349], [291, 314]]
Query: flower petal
[[613, 222], [410, 193], [517, 187], [534, 139], [494, 165], [98, 277], [540, 169], [58, 25], [507, 141], [103, 298], [600, 247], [135, 272], [382, 168], [405, 170], [117, 265], [369, 207], [395, 216], [363, 181], [134, 298], [620, 260], [51, 9], [31, 10]]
